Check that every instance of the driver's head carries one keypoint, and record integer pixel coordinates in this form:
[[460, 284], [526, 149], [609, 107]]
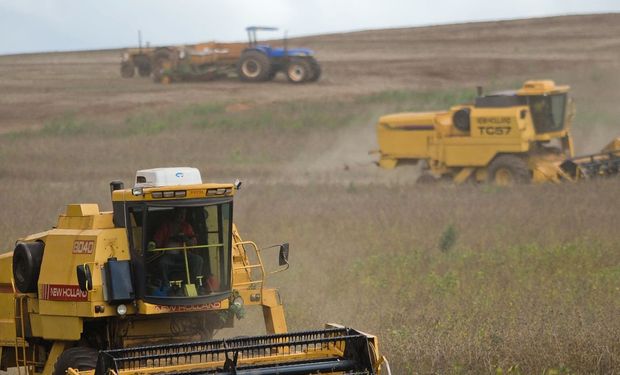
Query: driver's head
[[179, 215]]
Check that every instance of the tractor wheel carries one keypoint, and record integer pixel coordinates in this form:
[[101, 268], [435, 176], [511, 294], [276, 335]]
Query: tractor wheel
[[426, 179], [254, 66], [298, 71], [79, 358], [143, 63], [508, 170], [144, 70], [315, 70], [27, 258], [127, 69]]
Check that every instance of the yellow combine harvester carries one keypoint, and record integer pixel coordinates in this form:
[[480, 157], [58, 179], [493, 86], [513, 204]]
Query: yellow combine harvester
[[504, 138], [141, 289]]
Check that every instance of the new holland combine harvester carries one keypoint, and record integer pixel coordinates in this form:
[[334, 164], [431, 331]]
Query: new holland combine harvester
[[504, 138], [141, 290]]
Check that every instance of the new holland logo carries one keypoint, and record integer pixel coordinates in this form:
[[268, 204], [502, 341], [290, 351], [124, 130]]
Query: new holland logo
[[179, 174], [52, 292], [189, 308]]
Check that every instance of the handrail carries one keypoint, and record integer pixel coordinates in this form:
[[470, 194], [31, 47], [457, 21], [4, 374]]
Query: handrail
[[185, 247], [252, 266]]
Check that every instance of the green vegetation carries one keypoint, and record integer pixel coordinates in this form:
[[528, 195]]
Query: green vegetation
[[65, 126], [285, 116]]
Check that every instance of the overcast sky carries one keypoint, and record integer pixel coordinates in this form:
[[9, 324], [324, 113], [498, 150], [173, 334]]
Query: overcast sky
[[60, 25]]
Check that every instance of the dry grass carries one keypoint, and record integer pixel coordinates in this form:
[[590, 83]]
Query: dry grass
[[531, 280]]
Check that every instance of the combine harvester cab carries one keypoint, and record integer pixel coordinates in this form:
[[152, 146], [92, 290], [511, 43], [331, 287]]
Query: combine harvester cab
[[504, 138], [143, 288]]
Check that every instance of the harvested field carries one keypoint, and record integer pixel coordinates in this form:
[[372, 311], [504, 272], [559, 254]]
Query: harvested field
[[531, 280]]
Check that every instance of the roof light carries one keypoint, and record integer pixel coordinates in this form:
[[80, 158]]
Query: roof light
[[157, 194], [180, 193], [219, 191], [137, 191], [168, 194]]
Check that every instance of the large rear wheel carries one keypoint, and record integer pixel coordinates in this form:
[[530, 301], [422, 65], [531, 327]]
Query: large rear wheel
[[507, 170], [127, 69], [254, 66], [78, 358]]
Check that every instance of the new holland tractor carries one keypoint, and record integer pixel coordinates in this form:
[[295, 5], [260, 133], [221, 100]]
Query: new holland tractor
[[504, 138], [252, 62], [142, 288]]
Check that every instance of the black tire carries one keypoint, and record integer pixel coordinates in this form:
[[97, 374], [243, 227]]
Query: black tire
[[144, 70], [506, 170], [254, 66], [315, 70], [143, 63], [127, 69], [27, 258], [79, 358], [426, 179], [298, 70]]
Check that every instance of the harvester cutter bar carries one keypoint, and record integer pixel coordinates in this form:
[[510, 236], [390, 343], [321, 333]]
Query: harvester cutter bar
[[592, 166], [307, 352]]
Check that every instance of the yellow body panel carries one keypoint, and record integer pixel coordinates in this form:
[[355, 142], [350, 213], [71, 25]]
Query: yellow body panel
[[406, 135]]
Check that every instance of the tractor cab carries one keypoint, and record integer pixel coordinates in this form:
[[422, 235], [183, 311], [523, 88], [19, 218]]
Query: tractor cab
[[180, 236], [270, 51]]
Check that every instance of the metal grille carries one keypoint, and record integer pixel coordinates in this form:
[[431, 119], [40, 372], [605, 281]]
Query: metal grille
[[321, 351]]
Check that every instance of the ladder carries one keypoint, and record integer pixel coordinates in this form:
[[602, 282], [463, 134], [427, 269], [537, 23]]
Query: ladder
[[21, 345]]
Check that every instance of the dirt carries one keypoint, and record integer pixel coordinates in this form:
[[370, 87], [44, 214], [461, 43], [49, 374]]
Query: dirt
[[40, 87]]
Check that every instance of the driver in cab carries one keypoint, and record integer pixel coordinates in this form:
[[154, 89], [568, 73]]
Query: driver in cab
[[176, 232]]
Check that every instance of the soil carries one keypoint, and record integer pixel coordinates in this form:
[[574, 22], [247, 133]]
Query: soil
[[39, 87]]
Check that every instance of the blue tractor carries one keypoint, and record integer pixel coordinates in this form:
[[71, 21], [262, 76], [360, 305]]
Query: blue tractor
[[261, 62]]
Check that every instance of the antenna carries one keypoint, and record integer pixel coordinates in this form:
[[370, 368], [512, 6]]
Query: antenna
[[140, 40]]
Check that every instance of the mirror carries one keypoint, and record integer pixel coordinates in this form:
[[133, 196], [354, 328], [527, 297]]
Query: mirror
[[284, 254], [85, 278]]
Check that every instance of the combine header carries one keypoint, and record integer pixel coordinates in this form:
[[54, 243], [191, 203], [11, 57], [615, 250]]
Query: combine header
[[603, 164], [143, 288], [332, 350]]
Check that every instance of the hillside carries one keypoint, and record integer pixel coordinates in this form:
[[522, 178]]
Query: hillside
[[37, 87]]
